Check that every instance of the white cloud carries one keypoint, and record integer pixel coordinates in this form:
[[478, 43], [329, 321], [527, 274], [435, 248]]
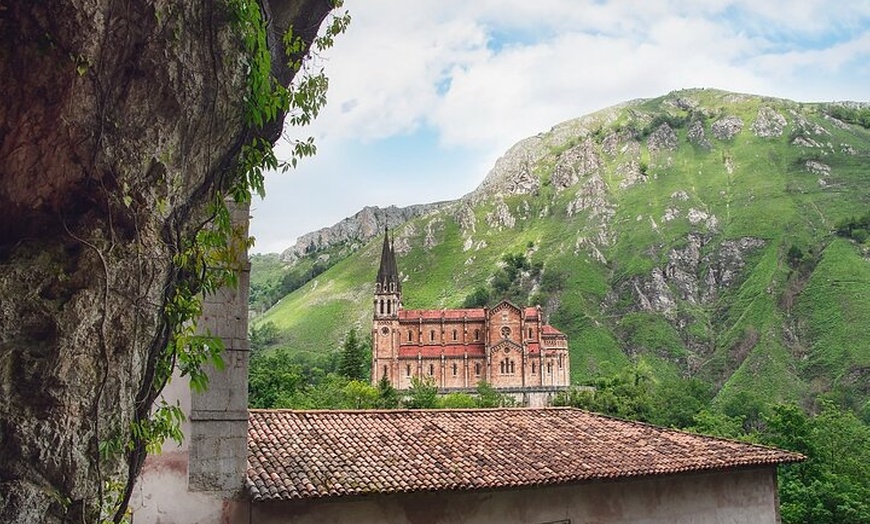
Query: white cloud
[[481, 75]]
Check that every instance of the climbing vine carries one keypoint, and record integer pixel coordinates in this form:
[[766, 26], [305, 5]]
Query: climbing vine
[[210, 260]]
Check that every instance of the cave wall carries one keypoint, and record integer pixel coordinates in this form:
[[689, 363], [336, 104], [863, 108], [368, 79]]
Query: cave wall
[[120, 121]]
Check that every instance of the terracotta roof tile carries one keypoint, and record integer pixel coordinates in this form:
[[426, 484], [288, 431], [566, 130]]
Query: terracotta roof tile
[[550, 330], [406, 315], [315, 454]]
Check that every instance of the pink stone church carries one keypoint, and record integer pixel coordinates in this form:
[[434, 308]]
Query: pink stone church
[[510, 347]]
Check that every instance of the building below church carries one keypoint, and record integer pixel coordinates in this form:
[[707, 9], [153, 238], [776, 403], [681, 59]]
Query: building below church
[[510, 347]]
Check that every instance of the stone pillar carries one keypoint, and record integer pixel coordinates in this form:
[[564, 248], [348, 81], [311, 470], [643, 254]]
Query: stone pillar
[[219, 416]]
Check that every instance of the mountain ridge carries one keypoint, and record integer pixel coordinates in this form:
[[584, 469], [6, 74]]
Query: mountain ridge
[[664, 229]]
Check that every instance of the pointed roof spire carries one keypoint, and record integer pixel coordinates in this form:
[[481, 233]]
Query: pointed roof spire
[[389, 271]]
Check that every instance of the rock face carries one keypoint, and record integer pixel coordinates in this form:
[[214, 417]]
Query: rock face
[[726, 128], [361, 227], [117, 127]]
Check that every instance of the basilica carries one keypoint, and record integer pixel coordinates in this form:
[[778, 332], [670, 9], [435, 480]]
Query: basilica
[[510, 347]]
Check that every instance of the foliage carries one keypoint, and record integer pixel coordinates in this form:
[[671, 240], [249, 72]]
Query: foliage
[[489, 397], [853, 115], [457, 401], [423, 394], [273, 378], [262, 336], [858, 229], [388, 397], [833, 484], [355, 358], [513, 282]]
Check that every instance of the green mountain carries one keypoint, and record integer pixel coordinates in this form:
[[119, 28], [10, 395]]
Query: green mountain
[[697, 231]]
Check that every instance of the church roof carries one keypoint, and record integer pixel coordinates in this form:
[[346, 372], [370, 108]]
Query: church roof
[[550, 330], [319, 454], [446, 314], [388, 270]]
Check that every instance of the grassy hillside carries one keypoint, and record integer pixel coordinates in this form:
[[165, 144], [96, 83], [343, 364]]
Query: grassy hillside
[[695, 230]]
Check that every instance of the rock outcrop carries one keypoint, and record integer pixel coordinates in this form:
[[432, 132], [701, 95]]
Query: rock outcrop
[[120, 123], [361, 227], [726, 128]]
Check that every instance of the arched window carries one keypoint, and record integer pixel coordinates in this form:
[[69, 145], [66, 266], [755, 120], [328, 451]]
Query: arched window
[[476, 334], [560, 361], [533, 368], [530, 332], [454, 369], [549, 367], [431, 370], [454, 334], [389, 306], [410, 335], [408, 370], [501, 367], [512, 367], [382, 306], [385, 371], [477, 369], [432, 335]]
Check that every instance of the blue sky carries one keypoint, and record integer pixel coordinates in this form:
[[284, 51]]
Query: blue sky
[[425, 95]]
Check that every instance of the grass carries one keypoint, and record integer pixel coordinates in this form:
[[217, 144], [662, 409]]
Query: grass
[[744, 340]]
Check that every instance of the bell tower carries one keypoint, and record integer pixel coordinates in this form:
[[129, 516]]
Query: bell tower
[[388, 288], [387, 303]]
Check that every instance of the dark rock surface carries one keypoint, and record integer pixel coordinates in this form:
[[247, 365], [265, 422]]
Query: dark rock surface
[[120, 122]]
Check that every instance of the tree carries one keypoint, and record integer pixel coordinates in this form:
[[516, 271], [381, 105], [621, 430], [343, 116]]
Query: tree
[[423, 394], [360, 395], [272, 377], [353, 362], [388, 397], [263, 336], [489, 397], [457, 401]]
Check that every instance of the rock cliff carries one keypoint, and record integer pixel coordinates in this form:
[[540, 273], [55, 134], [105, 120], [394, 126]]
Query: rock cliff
[[360, 228], [120, 122]]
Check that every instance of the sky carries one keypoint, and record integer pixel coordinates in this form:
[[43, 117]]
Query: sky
[[425, 95]]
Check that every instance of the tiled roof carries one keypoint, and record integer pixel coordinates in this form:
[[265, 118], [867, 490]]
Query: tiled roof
[[437, 314], [314, 454], [530, 313], [550, 330]]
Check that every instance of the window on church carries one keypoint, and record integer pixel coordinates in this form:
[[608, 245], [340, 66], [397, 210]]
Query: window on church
[[560, 361], [512, 367], [432, 335], [385, 371], [431, 370], [476, 334], [501, 367], [408, 370], [454, 369], [410, 336], [530, 332], [477, 369], [549, 367], [533, 368], [454, 334], [382, 306], [389, 305]]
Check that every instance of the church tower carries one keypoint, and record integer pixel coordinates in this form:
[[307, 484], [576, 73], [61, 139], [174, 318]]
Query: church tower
[[387, 303], [388, 288]]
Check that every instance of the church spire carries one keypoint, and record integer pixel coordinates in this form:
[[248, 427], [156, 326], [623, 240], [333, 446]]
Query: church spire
[[388, 273]]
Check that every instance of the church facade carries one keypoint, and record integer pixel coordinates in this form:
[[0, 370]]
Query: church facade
[[510, 347]]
